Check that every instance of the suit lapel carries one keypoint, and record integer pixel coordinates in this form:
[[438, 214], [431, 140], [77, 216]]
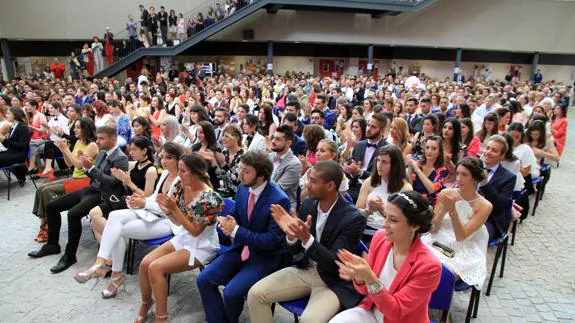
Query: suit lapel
[[261, 200], [100, 158], [332, 221]]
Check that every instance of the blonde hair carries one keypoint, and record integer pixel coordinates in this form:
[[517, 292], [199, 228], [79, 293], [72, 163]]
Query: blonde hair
[[402, 132], [331, 146]]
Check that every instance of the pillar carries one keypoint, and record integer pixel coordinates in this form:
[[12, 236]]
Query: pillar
[[270, 64], [457, 69], [369, 60], [7, 59], [534, 65]]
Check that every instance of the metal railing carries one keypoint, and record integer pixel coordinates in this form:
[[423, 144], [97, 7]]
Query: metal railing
[[192, 25]]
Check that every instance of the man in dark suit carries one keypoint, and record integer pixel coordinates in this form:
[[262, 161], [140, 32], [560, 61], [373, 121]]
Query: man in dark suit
[[320, 103], [327, 223], [298, 147], [163, 19], [498, 186], [144, 19], [104, 189], [364, 154], [258, 247], [410, 113], [16, 142]]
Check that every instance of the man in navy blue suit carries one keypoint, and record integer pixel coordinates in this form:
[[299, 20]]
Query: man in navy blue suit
[[498, 185], [298, 145], [258, 247], [320, 103]]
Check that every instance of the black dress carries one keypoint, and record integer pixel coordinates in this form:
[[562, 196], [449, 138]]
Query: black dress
[[138, 176]]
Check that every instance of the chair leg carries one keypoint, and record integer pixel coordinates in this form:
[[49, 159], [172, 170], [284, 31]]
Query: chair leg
[[476, 307], [504, 256], [470, 307], [169, 278], [537, 198], [130, 258], [9, 183], [513, 232], [296, 319], [494, 269]]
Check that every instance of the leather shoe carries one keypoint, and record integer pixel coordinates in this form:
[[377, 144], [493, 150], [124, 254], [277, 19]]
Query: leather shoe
[[64, 263], [46, 250]]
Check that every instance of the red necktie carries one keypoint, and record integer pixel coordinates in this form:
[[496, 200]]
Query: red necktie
[[251, 203]]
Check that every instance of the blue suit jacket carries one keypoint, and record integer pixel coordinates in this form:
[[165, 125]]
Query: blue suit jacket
[[329, 122], [298, 146], [261, 233], [499, 191]]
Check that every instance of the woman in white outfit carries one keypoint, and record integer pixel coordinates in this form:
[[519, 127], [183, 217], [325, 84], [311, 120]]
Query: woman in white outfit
[[458, 224], [195, 206], [144, 220], [97, 49]]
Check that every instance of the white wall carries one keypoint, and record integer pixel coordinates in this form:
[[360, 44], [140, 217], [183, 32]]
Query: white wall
[[518, 25], [75, 19]]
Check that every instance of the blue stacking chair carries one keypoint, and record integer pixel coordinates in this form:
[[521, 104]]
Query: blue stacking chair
[[442, 296], [131, 251], [9, 169], [229, 205], [516, 196], [501, 252], [297, 306]]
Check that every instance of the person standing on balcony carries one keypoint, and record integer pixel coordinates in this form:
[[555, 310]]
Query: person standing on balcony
[[109, 37], [144, 19], [153, 25], [131, 26], [163, 18], [97, 49], [88, 59], [173, 23], [181, 28]]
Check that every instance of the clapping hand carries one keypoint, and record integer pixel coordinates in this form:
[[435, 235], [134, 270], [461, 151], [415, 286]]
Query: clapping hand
[[121, 175], [447, 199], [61, 144], [86, 161], [227, 224], [354, 168], [285, 220], [136, 201], [354, 267], [376, 204], [167, 203]]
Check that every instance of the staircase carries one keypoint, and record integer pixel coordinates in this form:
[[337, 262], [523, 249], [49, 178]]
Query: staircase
[[377, 8]]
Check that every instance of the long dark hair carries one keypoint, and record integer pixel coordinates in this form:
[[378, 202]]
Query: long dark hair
[[509, 156], [517, 126], [467, 140], [536, 125], [88, 130], [209, 135], [362, 126], [197, 166], [397, 175], [456, 126], [483, 132], [202, 114], [266, 109], [144, 123], [465, 110], [144, 143], [440, 162]]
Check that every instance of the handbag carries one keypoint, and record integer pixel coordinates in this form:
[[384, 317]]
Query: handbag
[[72, 185]]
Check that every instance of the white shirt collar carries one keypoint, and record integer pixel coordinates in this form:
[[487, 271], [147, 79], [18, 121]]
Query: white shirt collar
[[258, 191], [109, 152], [320, 212]]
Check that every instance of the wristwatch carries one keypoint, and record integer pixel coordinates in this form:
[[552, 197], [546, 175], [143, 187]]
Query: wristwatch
[[375, 287]]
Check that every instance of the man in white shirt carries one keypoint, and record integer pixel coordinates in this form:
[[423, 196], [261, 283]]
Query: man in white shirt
[[326, 224], [480, 113]]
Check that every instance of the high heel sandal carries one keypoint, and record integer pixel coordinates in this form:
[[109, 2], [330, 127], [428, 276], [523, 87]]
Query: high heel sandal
[[92, 272], [49, 174], [107, 294], [42, 235], [141, 319], [163, 318]]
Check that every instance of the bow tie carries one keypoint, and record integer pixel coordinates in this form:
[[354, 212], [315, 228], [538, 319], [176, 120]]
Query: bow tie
[[371, 145], [55, 119], [489, 171]]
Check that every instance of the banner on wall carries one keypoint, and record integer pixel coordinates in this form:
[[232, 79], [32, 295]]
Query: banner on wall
[[482, 72], [363, 65], [331, 67]]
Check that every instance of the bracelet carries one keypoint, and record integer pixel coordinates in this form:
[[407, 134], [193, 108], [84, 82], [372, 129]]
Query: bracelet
[[453, 213]]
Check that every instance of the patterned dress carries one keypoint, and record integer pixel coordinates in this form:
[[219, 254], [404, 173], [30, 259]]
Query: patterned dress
[[203, 209]]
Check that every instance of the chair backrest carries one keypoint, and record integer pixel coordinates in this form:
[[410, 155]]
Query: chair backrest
[[348, 197], [228, 206], [508, 212], [363, 247], [441, 297]]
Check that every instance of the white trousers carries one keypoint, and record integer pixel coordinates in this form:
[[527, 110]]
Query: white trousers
[[356, 314], [123, 225]]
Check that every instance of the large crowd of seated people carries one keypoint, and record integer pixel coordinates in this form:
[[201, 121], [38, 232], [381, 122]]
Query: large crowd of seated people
[[314, 164]]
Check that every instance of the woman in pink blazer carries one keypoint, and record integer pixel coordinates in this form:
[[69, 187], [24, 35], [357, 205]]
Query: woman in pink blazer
[[400, 273]]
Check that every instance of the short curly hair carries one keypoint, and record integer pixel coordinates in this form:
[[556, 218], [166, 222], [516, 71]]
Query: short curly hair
[[474, 166], [415, 208]]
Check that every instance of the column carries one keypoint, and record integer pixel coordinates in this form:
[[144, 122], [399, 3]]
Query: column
[[369, 60], [7, 59], [270, 65], [457, 69], [534, 65]]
